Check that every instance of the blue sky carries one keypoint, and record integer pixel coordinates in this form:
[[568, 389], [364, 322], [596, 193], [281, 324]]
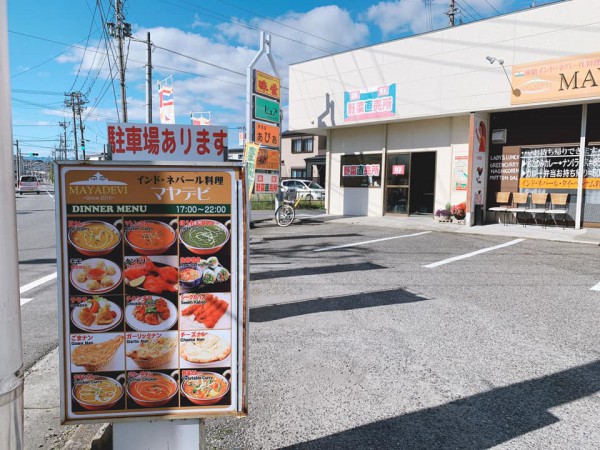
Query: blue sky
[[59, 46]]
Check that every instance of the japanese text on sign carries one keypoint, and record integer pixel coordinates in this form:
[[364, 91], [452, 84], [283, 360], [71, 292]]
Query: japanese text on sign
[[360, 170], [147, 142], [266, 182]]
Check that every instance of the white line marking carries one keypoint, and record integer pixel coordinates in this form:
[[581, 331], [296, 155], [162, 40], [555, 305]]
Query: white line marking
[[37, 283], [25, 300], [369, 242], [48, 192], [596, 288], [468, 255]]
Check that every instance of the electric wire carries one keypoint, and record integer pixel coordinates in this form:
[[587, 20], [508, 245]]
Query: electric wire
[[85, 49], [280, 23]]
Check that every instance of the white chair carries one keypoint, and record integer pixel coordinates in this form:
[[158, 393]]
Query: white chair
[[559, 205], [539, 205], [503, 202], [521, 200]]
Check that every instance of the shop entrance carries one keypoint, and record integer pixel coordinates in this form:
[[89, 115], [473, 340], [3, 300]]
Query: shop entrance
[[410, 183]]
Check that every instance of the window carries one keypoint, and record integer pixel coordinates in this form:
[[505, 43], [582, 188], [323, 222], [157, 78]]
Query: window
[[304, 145], [298, 173], [361, 170]]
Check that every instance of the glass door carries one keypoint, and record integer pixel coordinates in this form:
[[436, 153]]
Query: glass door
[[397, 183]]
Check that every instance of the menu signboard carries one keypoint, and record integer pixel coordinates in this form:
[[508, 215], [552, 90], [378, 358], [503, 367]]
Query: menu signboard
[[152, 293]]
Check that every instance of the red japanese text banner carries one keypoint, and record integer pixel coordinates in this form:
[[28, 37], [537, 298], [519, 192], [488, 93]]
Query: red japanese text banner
[[153, 142]]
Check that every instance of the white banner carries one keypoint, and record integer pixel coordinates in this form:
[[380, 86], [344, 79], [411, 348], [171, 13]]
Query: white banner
[[166, 105], [153, 142]]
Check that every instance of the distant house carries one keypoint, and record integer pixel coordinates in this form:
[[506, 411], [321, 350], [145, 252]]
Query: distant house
[[303, 156]]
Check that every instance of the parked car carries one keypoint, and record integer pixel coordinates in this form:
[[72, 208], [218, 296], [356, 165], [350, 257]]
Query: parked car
[[28, 183], [306, 188]]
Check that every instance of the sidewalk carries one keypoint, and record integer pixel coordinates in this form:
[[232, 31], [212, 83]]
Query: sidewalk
[[41, 381], [427, 222]]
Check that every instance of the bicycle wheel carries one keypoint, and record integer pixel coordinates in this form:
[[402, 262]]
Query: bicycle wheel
[[284, 215]]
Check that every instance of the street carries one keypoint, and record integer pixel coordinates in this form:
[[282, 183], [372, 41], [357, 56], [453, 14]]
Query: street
[[373, 337]]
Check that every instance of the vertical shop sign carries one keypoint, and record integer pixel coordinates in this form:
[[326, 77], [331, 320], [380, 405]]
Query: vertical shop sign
[[151, 310], [250, 156], [478, 152]]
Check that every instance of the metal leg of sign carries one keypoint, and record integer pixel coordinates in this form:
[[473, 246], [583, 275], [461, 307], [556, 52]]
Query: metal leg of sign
[[202, 436], [159, 434]]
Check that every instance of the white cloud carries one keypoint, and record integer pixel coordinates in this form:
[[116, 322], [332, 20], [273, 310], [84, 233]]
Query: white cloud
[[209, 87]]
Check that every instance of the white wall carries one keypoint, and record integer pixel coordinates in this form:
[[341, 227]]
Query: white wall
[[446, 137], [444, 73], [354, 201]]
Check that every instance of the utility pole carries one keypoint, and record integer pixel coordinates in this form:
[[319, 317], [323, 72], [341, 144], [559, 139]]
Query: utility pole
[[70, 102], [452, 12], [80, 104], [64, 125], [148, 79], [120, 30], [12, 375], [18, 162]]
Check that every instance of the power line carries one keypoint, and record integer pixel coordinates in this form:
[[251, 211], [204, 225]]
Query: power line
[[198, 60], [85, 50]]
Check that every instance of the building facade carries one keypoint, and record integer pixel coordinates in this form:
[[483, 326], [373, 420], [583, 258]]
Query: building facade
[[509, 103], [303, 156]]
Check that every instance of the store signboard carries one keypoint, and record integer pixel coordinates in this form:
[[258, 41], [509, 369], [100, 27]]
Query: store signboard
[[267, 159], [265, 109], [267, 85], [374, 104], [558, 168], [151, 312], [363, 170], [556, 79], [154, 142], [266, 182], [267, 135], [398, 169]]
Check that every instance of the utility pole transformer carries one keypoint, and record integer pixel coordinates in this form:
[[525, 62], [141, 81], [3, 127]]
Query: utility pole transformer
[[452, 12]]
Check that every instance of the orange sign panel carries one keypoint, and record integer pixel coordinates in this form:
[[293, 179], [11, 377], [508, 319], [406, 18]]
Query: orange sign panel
[[266, 134], [556, 79], [267, 159], [266, 84]]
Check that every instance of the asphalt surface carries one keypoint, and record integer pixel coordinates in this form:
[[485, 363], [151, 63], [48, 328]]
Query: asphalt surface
[[361, 346]]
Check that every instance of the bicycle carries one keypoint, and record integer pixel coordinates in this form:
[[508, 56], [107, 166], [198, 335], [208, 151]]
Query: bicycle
[[286, 213]]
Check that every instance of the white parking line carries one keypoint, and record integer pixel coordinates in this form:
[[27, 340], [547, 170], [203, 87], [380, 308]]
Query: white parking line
[[468, 255], [37, 283], [595, 288], [369, 242], [48, 192], [25, 300]]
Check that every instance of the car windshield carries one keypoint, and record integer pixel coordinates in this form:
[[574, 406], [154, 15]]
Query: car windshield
[[314, 185]]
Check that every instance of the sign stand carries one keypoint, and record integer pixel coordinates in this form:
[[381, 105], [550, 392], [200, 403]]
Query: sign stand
[[160, 434]]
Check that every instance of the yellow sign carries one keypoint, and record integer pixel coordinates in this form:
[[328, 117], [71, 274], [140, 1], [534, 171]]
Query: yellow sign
[[558, 183], [267, 159], [265, 84], [556, 79], [266, 134]]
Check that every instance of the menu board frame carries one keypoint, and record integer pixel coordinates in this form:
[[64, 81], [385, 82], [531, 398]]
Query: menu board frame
[[137, 197]]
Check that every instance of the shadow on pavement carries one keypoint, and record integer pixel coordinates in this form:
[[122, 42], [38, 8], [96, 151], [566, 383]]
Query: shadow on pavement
[[478, 422], [320, 270], [344, 303]]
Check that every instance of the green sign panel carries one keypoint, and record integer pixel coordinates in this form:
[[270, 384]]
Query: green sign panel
[[265, 109]]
